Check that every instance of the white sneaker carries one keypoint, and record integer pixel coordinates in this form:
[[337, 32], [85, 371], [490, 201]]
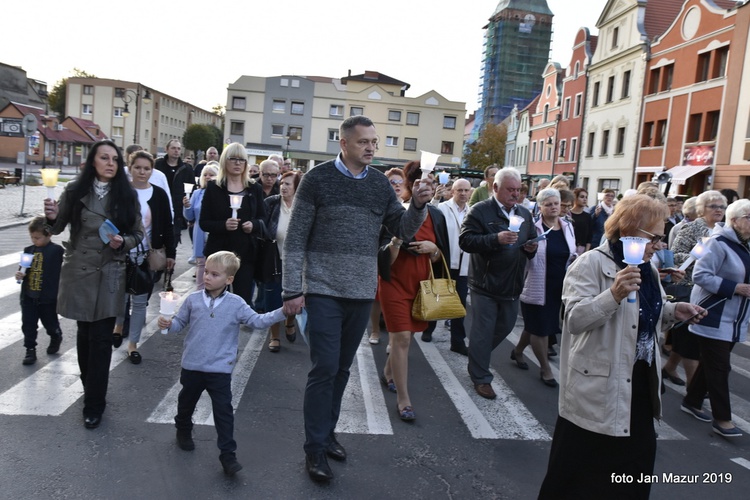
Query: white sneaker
[[191, 261]]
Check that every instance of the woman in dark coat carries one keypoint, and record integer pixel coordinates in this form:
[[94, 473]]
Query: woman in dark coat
[[92, 279], [238, 234]]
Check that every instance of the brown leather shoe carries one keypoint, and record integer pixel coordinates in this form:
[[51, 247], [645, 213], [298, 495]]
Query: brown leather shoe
[[485, 390]]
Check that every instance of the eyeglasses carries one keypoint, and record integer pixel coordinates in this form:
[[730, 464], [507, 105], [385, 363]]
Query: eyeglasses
[[396, 182], [269, 175], [716, 207], [655, 238], [238, 161]]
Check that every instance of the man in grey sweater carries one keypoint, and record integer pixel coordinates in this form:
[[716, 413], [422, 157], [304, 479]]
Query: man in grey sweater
[[330, 267]]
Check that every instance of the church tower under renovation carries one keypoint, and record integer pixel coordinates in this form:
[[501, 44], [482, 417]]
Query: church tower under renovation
[[516, 50]]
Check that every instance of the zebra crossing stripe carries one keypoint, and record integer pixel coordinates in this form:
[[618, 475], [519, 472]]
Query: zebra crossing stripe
[[363, 407]]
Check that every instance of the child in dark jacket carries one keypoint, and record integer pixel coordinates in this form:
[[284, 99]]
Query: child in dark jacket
[[39, 290], [210, 353]]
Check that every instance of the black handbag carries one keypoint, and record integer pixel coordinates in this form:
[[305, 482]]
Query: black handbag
[[138, 277], [267, 257]]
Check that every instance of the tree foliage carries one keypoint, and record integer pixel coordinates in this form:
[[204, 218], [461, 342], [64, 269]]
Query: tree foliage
[[489, 148], [200, 137], [56, 97]]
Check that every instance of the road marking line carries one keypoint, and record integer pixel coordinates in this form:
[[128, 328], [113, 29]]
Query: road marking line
[[54, 388], [505, 417], [363, 407], [741, 461]]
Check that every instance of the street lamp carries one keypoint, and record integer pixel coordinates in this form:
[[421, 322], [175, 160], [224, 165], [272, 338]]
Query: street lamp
[[136, 96]]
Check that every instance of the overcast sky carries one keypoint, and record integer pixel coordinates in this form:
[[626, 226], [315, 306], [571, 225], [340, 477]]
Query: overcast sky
[[193, 50]]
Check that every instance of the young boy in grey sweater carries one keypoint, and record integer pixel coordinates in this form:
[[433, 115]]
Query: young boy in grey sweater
[[214, 316]]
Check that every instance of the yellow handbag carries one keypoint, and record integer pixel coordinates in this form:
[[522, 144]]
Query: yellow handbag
[[437, 298]]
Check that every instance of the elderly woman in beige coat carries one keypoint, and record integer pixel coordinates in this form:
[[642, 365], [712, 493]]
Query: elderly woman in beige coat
[[609, 362], [92, 279]]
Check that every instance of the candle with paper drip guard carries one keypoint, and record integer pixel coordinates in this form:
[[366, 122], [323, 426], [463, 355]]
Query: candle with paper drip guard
[[427, 163], [168, 305], [26, 260], [235, 201], [633, 249], [698, 251], [188, 188], [49, 179], [444, 177], [514, 223]]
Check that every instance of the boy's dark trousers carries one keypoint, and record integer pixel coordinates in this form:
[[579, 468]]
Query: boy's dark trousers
[[31, 312], [219, 388]]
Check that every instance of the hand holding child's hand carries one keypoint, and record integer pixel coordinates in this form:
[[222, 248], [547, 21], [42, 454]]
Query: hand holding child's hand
[[164, 323]]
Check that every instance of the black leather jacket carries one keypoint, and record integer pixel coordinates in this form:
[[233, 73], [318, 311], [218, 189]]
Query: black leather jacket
[[495, 270]]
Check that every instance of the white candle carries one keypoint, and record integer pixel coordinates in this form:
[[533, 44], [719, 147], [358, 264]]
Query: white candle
[[49, 179], [444, 177], [167, 305], [427, 163], [514, 223], [26, 260], [698, 251], [235, 201], [633, 249], [188, 188]]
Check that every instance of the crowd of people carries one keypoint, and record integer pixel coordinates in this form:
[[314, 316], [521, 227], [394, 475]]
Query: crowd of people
[[349, 245]]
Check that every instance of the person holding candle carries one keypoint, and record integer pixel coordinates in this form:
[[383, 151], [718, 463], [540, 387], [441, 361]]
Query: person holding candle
[[235, 234], [408, 263], [157, 223], [39, 289], [710, 207], [330, 267], [542, 292], [279, 210], [213, 317], [192, 213], [609, 361], [499, 252], [92, 278], [723, 273]]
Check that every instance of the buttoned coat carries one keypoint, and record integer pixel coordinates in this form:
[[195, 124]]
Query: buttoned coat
[[598, 347], [92, 279]]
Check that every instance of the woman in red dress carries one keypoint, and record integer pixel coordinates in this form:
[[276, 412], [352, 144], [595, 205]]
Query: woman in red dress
[[410, 263]]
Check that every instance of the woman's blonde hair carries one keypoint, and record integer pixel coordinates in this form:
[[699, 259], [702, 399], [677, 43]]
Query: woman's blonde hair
[[234, 150]]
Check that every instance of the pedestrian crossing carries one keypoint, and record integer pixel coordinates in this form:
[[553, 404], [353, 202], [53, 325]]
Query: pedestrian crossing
[[53, 388]]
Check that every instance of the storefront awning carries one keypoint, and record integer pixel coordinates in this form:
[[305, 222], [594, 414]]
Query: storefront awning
[[681, 173], [649, 170]]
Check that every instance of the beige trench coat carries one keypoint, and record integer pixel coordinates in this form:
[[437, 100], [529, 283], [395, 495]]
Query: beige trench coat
[[597, 351]]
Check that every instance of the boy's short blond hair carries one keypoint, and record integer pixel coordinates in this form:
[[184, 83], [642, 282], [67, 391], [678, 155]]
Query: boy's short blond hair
[[228, 261]]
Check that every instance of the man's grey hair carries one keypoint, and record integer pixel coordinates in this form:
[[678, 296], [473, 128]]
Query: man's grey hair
[[507, 173]]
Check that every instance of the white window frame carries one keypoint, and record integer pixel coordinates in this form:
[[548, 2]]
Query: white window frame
[[336, 110], [87, 109], [118, 112], [279, 128], [391, 140], [275, 106], [333, 135]]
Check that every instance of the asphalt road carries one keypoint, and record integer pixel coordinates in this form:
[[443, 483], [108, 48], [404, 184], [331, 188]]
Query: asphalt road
[[461, 446]]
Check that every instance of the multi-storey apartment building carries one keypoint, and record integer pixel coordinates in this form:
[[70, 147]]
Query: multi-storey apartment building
[[131, 113], [299, 116], [615, 89], [685, 93]]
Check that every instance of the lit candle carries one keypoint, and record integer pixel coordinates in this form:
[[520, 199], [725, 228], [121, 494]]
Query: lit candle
[[633, 249], [698, 251], [444, 177], [49, 179], [188, 188], [235, 201], [515, 223], [427, 163], [167, 305], [26, 259]]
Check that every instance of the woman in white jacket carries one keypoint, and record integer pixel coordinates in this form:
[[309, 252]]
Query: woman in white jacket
[[609, 362], [542, 292]]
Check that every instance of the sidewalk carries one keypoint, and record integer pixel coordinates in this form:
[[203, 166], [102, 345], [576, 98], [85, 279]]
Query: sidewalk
[[12, 197]]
